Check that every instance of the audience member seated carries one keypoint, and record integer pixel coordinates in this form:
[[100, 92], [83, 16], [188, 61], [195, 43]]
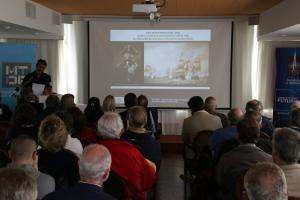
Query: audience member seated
[[109, 104], [94, 166], [140, 137], [223, 134], [67, 101], [79, 120], [127, 162], [54, 160], [130, 100], [263, 142], [211, 106], [241, 158], [267, 126], [286, 154], [52, 105], [23, 153], [295, 119], [23, 123], [72, 144], [87, 135], [283, 122], [16, 184], [265, 181], [152, 116], [295, 104], [27, 96], [199, 121], [93, 112]]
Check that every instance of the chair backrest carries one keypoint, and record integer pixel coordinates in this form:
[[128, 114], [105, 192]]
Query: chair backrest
[[240, 192], [200, 142]]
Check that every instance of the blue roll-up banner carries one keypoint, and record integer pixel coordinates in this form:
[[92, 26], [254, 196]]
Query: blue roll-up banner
[[16, 60], [287, 83]]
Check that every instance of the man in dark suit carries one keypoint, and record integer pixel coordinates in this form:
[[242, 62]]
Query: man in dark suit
[[94, 167], [266, 124], [233, 163], [38, 76]]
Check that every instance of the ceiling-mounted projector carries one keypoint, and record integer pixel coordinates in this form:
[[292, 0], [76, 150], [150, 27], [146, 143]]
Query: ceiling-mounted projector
[[144, 8], [151, 8]]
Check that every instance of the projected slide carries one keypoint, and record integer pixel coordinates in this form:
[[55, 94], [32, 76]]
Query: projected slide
[[185, 64], [168, 62]]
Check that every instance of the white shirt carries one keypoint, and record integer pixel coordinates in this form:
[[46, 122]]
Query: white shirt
[[74, 145]]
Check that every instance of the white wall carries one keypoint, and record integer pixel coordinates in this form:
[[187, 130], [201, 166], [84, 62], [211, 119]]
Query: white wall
[[13, 11], [281, 16]]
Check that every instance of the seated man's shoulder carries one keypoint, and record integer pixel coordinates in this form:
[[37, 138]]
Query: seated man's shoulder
[[46, 178]]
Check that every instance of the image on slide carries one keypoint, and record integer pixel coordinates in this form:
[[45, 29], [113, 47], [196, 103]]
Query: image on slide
[[180, 64]]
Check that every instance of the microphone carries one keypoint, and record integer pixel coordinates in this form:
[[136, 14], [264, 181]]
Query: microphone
[[18, 88], [28, 81]]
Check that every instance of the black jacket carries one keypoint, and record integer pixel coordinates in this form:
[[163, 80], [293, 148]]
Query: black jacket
[[80, 191]]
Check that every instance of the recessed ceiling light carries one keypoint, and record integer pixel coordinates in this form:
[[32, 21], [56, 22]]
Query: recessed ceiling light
[[283, 35]]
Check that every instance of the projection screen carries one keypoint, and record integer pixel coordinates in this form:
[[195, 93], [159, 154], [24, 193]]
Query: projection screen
[[169, 62]]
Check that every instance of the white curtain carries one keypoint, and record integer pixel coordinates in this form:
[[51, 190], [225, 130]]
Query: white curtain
[[242, 62], [73, 61]]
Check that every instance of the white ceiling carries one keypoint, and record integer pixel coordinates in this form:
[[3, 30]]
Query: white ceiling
[[291, 33]]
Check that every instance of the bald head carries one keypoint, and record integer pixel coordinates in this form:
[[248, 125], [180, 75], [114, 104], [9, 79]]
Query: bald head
[[235, 115], [23, 149], [210, 104], [94, 165]]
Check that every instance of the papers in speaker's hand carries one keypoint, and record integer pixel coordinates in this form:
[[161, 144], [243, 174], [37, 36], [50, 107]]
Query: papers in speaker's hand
[[38, 89]]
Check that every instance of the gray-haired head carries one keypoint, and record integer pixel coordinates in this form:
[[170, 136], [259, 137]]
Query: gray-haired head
[[286, 146], [94, 164], [16, 184], [235, 115], [265, 181], [22, 148], [110, 125]]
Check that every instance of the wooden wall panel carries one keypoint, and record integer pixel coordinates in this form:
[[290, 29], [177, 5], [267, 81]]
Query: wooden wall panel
[[173, 7]]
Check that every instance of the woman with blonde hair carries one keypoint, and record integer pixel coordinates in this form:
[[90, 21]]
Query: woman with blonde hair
[[109, 104], [54, 159]]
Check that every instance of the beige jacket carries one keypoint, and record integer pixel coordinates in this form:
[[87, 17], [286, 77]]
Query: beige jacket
[[292, 174], [199, 121]]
